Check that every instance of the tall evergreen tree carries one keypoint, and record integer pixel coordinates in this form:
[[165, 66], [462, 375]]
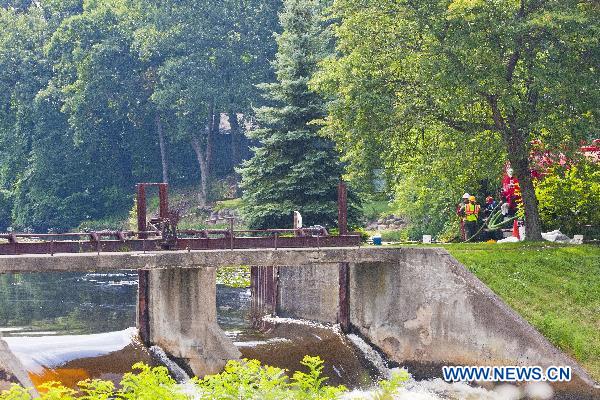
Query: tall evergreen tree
[[294, 168]]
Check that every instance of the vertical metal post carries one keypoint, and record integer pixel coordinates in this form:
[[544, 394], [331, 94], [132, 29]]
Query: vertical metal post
[[344, 297], [254, 292], [231, 227], [143, 313], [264, 284], [141, 209], [163, 196], [343, 208]]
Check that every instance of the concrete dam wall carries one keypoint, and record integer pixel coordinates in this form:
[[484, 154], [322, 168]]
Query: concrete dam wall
[[417, 305], [12, 370], [422, 306]]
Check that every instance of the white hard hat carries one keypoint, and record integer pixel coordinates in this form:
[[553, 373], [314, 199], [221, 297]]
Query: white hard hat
[[466, 196]]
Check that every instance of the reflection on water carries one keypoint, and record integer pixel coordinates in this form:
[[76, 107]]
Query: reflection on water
[[101, 308], [71, 326], [67, 303]]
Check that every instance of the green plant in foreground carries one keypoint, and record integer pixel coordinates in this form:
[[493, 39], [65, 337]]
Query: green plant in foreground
[[148, 384], [388, 388], [246, 379]]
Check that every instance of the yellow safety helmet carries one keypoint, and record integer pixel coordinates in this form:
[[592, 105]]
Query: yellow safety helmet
[[472, 198]]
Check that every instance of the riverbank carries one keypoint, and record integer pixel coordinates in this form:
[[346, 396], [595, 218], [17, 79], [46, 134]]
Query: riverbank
[[555, 287]]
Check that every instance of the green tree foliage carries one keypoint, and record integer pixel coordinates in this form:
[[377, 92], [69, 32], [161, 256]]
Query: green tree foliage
[[5, 207], [569, 199], [98, 95], [208, 57], [431, 180], [294, 168], [407, 70], [19, 5]]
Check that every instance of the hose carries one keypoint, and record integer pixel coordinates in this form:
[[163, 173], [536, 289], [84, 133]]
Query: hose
[[494, 216]]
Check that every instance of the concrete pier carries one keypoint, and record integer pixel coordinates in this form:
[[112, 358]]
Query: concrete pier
[[12, 371], [182, 318]]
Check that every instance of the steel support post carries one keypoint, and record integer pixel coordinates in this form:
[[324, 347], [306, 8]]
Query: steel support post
[[343, 208], [143, 313], [344, 297], [141, 209]]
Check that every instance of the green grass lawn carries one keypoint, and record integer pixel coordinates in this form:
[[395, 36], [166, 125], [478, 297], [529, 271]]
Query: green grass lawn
[[556, 288]]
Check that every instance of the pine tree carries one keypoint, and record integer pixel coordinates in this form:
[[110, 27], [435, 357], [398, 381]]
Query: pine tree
[[293, 169]]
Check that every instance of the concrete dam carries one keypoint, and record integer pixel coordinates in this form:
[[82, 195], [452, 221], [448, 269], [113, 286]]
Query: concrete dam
[[417, 305]]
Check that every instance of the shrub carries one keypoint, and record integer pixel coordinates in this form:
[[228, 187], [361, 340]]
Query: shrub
[[395, 236], [5, 210], [246, 379], [569, 198]]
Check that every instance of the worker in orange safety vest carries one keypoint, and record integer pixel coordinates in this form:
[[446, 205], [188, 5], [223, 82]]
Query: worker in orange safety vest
[[471, 217], [460, 211]]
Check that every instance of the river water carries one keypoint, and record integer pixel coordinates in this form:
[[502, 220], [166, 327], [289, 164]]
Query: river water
[[69, 327]]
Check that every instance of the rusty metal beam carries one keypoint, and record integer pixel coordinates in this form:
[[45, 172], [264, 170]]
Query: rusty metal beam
[[342, 208], [198, 243], [143, 311], [141, 209], [264, 289], [344, 297]]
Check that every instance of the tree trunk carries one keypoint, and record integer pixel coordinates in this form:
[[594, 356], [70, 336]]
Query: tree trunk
[[518, 155], [236, 155], [204, 156], [201, 157], [519, 161], [212, 131], [163, 149]]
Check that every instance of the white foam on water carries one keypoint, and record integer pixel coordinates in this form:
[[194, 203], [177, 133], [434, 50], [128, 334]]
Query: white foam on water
[[371, 355], [539, 390], [122, 283], [291, 321], [31, 333], [12, 329], [191, 390], [437, 389], [458, 390], [261, 342], [52, 351], [175, 370], [434, 389], [119, 275]]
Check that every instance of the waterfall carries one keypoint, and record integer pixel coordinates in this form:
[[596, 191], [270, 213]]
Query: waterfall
[[175, 370], [371, 355]]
